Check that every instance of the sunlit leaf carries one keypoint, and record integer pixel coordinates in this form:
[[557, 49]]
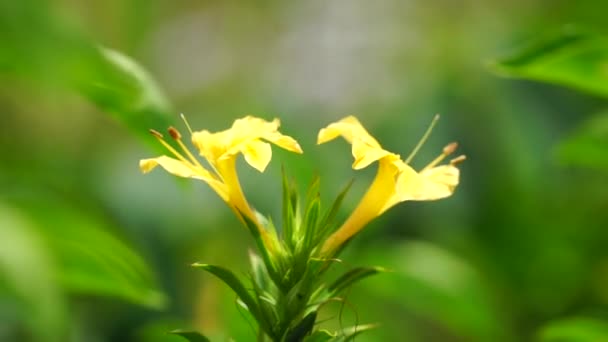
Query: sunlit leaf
[[90, 260], [580, 329], [28, 272], [191, 336], [39, 47], [588, 145], [435, 284], [571, 58]]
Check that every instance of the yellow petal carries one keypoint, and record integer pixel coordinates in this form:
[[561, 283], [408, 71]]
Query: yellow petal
[[179, 168], [366, 154], [349, 128], [284, 141], [257, 154], [431, 184], [171, 165]]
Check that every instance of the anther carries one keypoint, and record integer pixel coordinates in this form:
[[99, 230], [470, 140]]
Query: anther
[[458, 160], [450, 148], [174, 133], [156, 133]]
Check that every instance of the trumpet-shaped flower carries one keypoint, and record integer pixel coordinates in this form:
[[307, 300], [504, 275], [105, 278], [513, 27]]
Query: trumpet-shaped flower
[[395, 180], [247, 136]]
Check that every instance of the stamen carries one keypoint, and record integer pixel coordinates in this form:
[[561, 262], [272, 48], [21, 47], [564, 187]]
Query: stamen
[[177, 136], [160, 138], [423, 139], [156, 133], [458, 160], [447, 150], [450, 148], [186, 122], [174, 133]]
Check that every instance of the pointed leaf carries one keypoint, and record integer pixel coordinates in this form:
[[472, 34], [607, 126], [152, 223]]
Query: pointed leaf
[[236, 285], [327, 220], [297, 333], [588, 144], [288, 216], [571, 58], [349, 334], [351, 277], [319, 336], [191, 336]]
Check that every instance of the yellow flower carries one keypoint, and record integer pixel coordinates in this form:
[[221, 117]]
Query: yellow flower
[[395, 180], [220, 150]]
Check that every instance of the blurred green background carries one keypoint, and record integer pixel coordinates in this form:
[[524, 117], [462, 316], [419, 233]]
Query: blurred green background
[[91, 250]]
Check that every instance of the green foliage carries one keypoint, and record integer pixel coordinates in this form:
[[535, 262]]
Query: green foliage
[[28, 272], [350, 277], [571, 58], [237, 286], [432, 282], [578, 329], [56, 55], [191, 336], [588, 144], [89, 259]]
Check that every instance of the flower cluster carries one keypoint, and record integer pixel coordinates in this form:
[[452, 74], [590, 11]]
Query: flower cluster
[[288, 290]]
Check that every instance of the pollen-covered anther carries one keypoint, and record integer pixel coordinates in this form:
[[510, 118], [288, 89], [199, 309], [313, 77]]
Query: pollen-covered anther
[[174, 133], [450, 148], [156, 133], [458, 160]]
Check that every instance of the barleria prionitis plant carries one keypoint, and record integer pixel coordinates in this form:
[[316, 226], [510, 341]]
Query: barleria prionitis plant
[[287, 284]]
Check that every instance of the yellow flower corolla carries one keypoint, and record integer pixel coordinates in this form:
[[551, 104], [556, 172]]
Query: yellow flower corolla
[[395, 180], [248, 136]]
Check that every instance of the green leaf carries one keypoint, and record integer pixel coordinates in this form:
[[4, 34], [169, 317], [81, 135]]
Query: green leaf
[[349, 334], [571, 58], [191, 336], [297, 333], [352, 276], [319, 336], [38, 46], [326, 223], [90, 260], [578, 329], [587, 145], [28, 273], [433, 283], [237, 286]]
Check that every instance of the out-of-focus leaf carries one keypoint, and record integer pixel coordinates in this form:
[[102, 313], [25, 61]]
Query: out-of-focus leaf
[[571, 58], [191, 336], [28, 271], [437, 285], [39, 47], [588, 145], [90, 260], [580, 329]]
